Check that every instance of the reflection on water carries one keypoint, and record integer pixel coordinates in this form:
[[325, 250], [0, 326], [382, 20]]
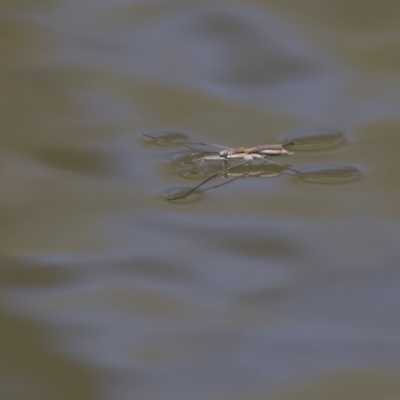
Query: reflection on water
[[330, 174], [315, 139], [263, 289]]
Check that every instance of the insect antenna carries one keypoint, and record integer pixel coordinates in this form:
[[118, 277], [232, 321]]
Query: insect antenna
[[288, 144], [187, 144]]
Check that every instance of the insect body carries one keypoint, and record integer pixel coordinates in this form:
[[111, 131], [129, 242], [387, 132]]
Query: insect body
[[234, 158], [263, 150], [241, 156]]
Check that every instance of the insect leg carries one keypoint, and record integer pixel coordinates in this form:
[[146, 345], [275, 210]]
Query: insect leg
[[233, 179], [207, 180], [282, 165]]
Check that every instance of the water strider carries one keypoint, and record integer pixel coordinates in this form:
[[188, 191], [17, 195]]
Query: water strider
[[241, 156]]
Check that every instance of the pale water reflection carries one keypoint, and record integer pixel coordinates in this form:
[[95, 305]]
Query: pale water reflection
[[267, 288]]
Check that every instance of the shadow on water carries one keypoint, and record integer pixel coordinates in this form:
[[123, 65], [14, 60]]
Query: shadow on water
[[30, 369]]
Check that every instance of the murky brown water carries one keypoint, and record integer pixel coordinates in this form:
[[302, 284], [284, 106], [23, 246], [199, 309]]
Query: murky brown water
[[266, 288]]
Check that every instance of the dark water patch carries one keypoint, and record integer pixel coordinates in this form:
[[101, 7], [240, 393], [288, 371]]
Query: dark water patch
[[25, 273], [20, 38], [90, 162], [31, 369]]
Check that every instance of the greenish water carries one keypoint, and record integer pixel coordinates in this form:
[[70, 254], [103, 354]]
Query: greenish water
[[270, 287]]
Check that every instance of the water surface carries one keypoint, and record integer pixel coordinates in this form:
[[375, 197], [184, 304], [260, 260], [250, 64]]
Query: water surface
[[266, 288]]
